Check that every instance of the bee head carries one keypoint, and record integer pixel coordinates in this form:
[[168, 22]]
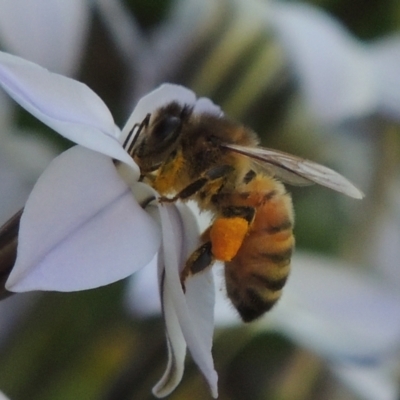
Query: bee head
[[158, 135]]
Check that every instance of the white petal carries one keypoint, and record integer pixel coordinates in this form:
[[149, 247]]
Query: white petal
[[50, 33], [200, 298], [200, 291], [200, 301], [175, 341], [205, 105], [81, 228], [332, 66], [159, 97], [337, 311], [191, 316], [144, 300], [143, 296], [65, 105]]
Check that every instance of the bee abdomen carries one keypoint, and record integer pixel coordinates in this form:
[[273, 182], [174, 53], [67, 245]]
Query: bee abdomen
[[257, 274], [280, 258], [272, 284]]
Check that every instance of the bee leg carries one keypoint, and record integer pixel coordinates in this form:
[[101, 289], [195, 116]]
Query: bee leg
[[187, 192], [199, 260], [214, 177], [228, 232]]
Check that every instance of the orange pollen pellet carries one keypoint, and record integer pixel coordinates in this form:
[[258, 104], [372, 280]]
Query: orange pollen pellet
[[226, 236]]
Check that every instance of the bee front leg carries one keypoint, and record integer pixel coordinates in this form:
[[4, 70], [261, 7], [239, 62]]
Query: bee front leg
[[214, 177], [187, 192], [199, 260]]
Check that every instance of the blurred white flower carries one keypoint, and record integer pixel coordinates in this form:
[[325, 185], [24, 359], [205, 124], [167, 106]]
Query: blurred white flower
[[83, 225], [341, 76], [347, 317], [52, 34]]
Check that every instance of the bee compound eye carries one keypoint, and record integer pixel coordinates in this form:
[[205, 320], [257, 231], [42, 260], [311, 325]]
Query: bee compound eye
[[166, 128]]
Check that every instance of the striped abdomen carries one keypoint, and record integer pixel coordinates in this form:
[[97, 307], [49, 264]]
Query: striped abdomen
[[256, 275]]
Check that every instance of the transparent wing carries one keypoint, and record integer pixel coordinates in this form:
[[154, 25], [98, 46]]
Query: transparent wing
[[297, 171]]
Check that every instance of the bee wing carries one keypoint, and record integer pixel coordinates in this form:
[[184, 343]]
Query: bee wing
[[297, 171]]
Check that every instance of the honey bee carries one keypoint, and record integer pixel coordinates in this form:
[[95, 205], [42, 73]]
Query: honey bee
[[218, 163]]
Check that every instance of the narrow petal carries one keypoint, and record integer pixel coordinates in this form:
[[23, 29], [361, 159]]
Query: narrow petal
[[51, 34], [191, 316], [200, 291], [175, 340], [200, 301], [65, 105], [81, 227]]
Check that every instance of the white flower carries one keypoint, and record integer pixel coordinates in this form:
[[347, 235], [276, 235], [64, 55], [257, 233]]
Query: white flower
[[52, 34], [83, 227], [348, 318], [340, 76]]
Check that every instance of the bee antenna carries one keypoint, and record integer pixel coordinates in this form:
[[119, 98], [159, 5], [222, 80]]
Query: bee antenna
[[140, 127]]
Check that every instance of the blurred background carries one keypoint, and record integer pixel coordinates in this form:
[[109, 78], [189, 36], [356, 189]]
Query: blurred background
[[319, 79]]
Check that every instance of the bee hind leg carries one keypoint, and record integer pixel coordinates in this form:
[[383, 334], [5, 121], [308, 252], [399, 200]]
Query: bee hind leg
[[199, 260], [228, 232]]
